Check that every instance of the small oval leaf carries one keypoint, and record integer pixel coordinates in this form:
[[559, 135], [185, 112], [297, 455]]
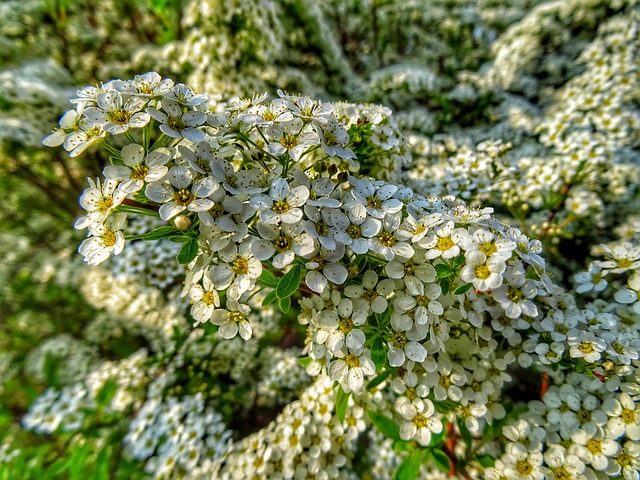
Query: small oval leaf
[[188, 252], [288, 284]]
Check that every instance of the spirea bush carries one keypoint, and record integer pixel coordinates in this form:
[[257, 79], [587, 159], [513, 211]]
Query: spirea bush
[[425, 317], [286, 286]]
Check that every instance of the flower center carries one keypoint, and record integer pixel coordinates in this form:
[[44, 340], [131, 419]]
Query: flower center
[[236, 316], [139, 172], [624, 263], [240, 266], [374, 202], [409, 268], [281, 206], [420, 421], [354, 231], [584, 415], [109, 238], [514, 294], [283, 243], [346, 325], [586, 347], [482, 272], [399, 339], [183, 197], [628, 416], [422, 300], [387, 239], [561, 473], [352, 360], [524, 467], [488, 248], [445, 381], [322, 229], [369, 295], [176, 123], [624, 460], [289, 141], [594, 446], [119, 117], [217, 210], [104, 204], [444, 243], [209, 298]]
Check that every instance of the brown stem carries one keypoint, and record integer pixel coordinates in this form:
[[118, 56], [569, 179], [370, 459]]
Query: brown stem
[[133, 203]]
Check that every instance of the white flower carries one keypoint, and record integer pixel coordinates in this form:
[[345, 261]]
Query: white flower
[[286, 242], [561, 465], [420, 418], [152, 170], [351, 369], [487, 243], [240, 269], [594, 448], [233, 320], [282, 204], [205, 299], [334, 139], [289, 138], [340, 327], [585, 345], [520, 464], [276, 112], [414, 270], [180, 195], [99, 201], [404, 345], [372, 291], [625, 417], [514, 296], [324, 267], [356, 230], [376, 197], [148, 85], [444, 242], [386, 243], [183, 95], [176, 123], [485, 273], [447, 380], [104, 240], [116, 114]]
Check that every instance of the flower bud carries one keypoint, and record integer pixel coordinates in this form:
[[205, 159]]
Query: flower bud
[[182, 222]]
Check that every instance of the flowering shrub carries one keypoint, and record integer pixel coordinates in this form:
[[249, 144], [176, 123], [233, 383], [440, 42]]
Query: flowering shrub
[[296, 288]]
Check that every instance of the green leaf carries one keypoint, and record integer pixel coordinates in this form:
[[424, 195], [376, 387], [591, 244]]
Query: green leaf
[[161, 232], [188, 252], [269, 299], [410, 467], [285, 304], [485, 460], [444, 273], [445, 285], [342, 400], [106, 393], [387, 426], [268, 279], [288, 284], [462, 289], [378, 353], [305, 361], [378, 380], [441, 460], [465, 434]]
